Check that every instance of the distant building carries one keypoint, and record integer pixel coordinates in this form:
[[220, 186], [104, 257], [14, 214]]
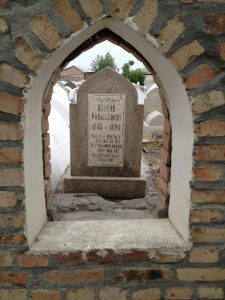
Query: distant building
[[75, 74]]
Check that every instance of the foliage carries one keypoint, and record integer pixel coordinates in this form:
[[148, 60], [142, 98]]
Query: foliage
[[136, 75], [101, 62]]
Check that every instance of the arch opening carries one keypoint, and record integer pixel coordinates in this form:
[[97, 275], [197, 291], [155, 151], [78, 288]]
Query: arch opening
[[182, 130]]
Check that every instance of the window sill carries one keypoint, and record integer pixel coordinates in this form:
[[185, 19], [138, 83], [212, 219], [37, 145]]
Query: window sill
[[64, 236]]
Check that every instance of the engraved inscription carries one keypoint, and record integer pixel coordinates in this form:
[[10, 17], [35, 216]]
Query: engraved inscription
[[106, 121]]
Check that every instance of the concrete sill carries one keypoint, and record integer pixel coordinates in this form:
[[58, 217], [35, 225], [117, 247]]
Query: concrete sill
[[64, 236]]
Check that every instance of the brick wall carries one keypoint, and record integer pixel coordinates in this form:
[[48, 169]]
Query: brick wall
[[191, 35]]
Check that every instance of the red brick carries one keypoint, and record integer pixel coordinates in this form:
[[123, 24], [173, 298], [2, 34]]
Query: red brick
[[208, 235], [222, 51], [10, 131], [203, 74], [45, 125], [167, 126], [28, 55], [45, 295], [46, 141], [6, 260], [47, 109], [72, 258], [210, 153], [208, 174], [210, 128], [8, 199], [14, 278], [167, 141], [12, 239], [48, 170], [11, 104], [135, 255], [101, 257], [204, 255], [165, 172], [47, 155], [215, 22], [178, 293], [143, 275], [165, 156], [200, 274], [205, 216], [75, 276], [10, 155], [207, 196], [30, 261], [68, 14]]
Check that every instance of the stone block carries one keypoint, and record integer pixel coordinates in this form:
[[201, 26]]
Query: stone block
[[186, 54], [68, 14], [170, 33], [145, 16], [107, 187], [43, 27], [13, 75], [203, 74]]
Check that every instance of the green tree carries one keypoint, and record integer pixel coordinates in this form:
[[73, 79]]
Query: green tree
[[136, 75], [101, 62]]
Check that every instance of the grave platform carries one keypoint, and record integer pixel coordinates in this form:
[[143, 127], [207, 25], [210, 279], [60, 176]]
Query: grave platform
[[107, 187]]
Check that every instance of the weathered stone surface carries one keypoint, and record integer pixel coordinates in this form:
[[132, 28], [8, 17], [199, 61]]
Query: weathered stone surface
[[93, 9], [27, 55], [146, 15], [13, 75], [125, 132], [170, 33], [186, 54], [206, 102], [205, 216], [44, 28], [12, 220], [120, 9], [68, 14], [203, 74], [215, 23], [112, 294], [4, 27]]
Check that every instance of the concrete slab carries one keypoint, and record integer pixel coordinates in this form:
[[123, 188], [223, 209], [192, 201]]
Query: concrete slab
[[107, 187], [107, 234]]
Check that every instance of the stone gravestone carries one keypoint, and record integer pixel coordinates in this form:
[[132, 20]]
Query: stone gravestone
[[106, 127]]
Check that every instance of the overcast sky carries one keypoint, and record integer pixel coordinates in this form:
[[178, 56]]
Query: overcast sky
[[120, 55]]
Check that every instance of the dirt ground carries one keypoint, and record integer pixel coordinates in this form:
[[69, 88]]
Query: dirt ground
[[67, 207]]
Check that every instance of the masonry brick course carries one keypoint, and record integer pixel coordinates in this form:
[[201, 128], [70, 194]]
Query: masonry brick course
[[202, 75]]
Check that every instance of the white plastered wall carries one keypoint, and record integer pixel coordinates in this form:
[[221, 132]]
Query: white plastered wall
[[181, 120]]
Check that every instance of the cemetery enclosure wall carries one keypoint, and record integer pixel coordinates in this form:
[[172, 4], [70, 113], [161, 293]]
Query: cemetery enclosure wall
[[196, 49]]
